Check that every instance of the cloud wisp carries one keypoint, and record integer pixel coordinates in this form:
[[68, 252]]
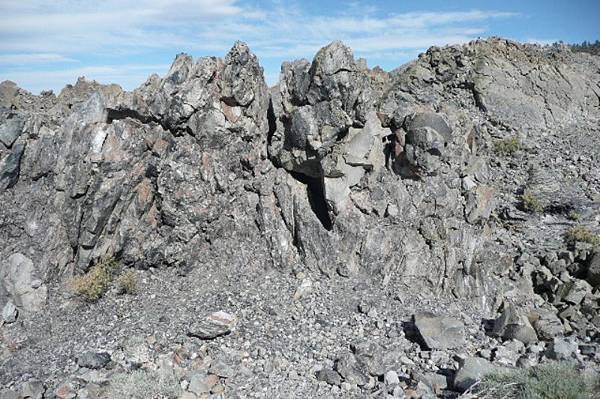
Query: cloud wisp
[[65, 37]]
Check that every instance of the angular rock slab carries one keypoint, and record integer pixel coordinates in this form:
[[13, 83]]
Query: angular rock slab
[[18, 278], [9, 313], [352, 372], [93, 360], [215, 325], [472, 370], [439, 332], [513, 325]]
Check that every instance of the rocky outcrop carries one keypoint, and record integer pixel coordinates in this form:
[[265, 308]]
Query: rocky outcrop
[[455, 176], [117, 174]]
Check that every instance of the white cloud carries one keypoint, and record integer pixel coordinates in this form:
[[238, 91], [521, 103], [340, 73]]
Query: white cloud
[[93, 32], [543, 42], [33, 58]]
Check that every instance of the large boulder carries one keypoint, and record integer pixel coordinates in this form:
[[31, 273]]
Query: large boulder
[[593, 271], [513, 324], [471, 371], [21, 283], [439, 332]]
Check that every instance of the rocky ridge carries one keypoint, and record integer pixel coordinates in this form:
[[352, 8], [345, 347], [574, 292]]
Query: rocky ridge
[[370, 233]]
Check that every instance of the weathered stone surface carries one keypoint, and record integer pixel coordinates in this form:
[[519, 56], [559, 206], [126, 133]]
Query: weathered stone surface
[[574, 291], [562, 349], [329, 376], [546, 324], [439, 332], [213, 326], [93, 360], [512, 324], [411, 183], [33, 389], [593, 272], [10, 128], [9, 312], [8, 394], [472, 370], [202, 383], [21, 284], [350, 370]]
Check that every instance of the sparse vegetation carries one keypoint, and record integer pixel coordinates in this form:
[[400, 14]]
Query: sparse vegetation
[[574, 216], [549, 381], [144, 384], [127, 283], [581, 234], [531, 203], [93, 284], [507, 146], [100, 278]]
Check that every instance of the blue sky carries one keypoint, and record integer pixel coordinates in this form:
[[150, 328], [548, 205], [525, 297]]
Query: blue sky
[[47, 44]]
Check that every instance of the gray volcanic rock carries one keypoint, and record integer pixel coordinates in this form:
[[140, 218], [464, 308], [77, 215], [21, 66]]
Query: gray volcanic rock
[[213, 326], [512, 324], [19, 282], [93, 360], [471, 371], [439, 332], [446, 186]]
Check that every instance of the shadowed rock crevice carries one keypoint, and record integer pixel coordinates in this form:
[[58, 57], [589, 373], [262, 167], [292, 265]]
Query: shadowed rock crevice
[[315, 192]]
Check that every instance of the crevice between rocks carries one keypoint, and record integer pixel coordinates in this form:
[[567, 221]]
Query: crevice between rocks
[[119, 114], [315, 190]]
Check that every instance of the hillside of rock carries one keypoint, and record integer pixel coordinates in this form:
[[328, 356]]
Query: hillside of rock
[[349, 232]]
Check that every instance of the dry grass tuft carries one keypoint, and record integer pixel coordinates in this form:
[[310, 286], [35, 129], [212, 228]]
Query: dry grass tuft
[[531, 203], [581, 234], [507, 146], [127, 283], [93, 284], [548, 381]]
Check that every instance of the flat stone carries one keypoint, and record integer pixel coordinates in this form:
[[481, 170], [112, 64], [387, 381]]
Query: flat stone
[[93, 360], [577, 291], [213, 326], [347, 366], [11, 129], [439, 332], [391, 378], [33, 389], [17, 274], [201, 383], [9, 312], [472, 369], [562, 349], [329, 376], [222, 369]]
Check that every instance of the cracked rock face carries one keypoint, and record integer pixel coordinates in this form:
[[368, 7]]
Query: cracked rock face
[[456, 176], [373, 172]]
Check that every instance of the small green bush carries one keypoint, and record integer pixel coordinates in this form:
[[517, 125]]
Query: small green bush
[[92, 285], [548, 381], [127, 283], [531, 203], [581, 234], [507, 146]]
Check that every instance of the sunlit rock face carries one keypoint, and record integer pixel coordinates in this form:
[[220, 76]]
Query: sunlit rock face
[[338, 168]]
